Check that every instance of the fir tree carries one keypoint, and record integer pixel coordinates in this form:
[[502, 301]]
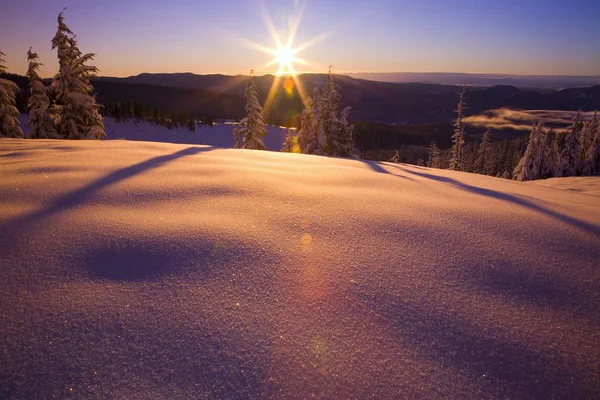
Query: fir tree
[[344, 143], [9, 123], [322, 132], [548, 162], [484, 155], [569, 155], [433, 160], [290, 145], [311, 135], [589, 147], [41, 123], [458, 139], [249, 132], [78, 110], [591, 162], [530, 165]]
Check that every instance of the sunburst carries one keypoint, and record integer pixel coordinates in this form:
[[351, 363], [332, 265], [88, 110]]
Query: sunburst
[[285, 56]]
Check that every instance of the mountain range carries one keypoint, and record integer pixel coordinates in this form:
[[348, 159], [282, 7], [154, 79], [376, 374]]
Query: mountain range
[[222, 96], [388, 102]]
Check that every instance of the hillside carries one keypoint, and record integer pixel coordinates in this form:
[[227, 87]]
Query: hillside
[[150, 270], [387, 101], [222, 96]]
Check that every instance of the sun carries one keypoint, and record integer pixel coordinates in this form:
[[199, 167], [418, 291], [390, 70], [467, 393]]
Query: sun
[[285, 57]]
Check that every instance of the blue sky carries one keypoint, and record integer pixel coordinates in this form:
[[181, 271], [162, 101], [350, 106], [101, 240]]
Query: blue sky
[[134, 36]]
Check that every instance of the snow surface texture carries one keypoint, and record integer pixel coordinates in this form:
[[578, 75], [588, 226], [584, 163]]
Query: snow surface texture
[[149, 270]]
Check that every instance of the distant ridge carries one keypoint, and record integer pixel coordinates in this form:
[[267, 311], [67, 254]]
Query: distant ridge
[[458, 78], [379, 101]]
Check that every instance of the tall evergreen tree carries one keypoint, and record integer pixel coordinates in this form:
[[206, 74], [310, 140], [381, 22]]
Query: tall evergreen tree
[[591, 161], [433, 160], [322, 132], [249, 132], [531, 164], [588, 141], [9, 122], [311, 135], [344, 142], [569, 156], [458, 139], [484, 155], [78, 110], [290, 145], [41, 123]]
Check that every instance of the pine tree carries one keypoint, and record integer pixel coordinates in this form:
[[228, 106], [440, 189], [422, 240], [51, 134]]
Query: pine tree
[[9, 121], [484, 155], [530, 166], [78, 110], [322, 132], [433, 160], [590, 147], [311, 135], [548, 162], [344, 140], [41, 123], [591, 162], [458, 139], [338, 132], [290, 145], [249, 132], [569, 155], [587, 135]]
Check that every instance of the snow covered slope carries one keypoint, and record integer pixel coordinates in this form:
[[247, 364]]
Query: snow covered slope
[[219, 135], [153, 270]]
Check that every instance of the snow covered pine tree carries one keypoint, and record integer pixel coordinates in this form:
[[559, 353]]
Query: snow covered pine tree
[[311, 136], [78, 110], [458, 139], [537, 162], [321, 131], [433, 161], [41, 124], [249, 132], [484, 155], [9, 123], [569, 156], [590, 148]]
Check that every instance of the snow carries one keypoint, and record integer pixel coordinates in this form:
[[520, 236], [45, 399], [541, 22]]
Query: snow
[[148, 270], [219, 135]]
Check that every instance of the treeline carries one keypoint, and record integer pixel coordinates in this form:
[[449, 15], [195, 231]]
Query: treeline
[[502, 155], [120, 111]]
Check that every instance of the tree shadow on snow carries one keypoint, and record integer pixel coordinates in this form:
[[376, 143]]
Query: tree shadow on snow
[[577, 223], [510, 369], [514, 281], [79, 196], [129, 259]]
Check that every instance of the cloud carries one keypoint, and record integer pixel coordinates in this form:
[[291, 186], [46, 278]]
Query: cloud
[[524, 120]]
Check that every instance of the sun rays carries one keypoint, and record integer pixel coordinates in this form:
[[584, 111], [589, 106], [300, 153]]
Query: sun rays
[[285, 56]]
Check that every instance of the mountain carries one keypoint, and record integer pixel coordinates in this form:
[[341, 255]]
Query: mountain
[[222, 96], [447, 78], [382, 101]]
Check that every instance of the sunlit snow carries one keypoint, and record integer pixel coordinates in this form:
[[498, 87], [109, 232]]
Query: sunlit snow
[[133, 269]]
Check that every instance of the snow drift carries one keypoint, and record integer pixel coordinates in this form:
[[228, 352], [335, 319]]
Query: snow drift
[[153, 270]]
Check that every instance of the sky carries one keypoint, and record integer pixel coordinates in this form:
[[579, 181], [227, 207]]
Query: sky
[[537, 37]]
